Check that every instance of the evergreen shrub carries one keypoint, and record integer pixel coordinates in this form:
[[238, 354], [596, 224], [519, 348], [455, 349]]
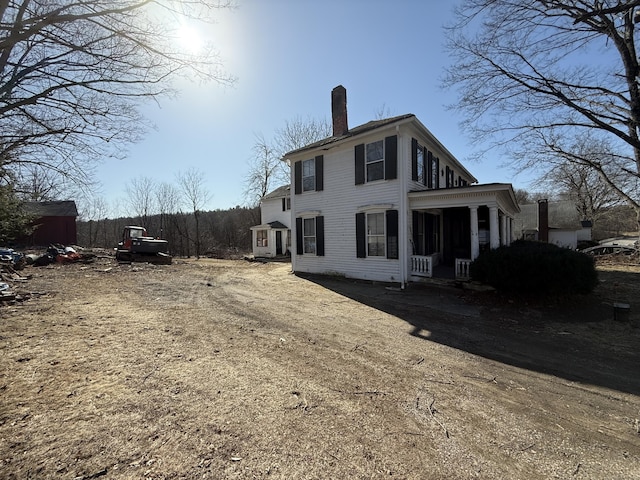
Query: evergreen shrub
[[535, 267]]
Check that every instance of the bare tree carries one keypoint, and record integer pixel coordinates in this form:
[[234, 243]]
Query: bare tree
[[536, 75], [141, 198], [94, 211], [196, 196], [73, 74], [168, 202], [583, 185], [266, 168], [265, 171]]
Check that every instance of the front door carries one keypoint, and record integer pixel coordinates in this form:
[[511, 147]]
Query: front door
[[278, 242], [456, 235]]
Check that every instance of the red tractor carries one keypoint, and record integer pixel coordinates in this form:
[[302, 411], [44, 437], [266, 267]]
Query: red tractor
[[137, 246]]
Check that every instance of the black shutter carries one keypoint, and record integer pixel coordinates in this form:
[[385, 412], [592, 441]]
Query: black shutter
[[299, 243], [361, 236], [319, 173], [391, 157], [320, 236], [284, 204], [359, 151], [414, 159], [297, 176], [424, 165], [429, 170], [437, 185], [392, 234]]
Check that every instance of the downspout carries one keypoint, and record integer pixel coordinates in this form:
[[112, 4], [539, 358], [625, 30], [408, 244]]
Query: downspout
[[402, 214]]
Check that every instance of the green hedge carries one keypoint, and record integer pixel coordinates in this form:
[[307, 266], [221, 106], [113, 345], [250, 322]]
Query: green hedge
[[535, 267]]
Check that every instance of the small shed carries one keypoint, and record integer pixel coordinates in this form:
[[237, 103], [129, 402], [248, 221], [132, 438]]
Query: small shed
[[54, 221]]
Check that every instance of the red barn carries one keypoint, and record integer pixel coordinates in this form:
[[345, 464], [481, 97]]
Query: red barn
[[55, 222]]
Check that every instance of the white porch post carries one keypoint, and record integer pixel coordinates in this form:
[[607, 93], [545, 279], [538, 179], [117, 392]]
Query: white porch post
[[494, 233], [503, 230], [509, 227], [475, 240]]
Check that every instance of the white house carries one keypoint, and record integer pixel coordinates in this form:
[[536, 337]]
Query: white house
[[386, 201], [272, 237], [553, 222]]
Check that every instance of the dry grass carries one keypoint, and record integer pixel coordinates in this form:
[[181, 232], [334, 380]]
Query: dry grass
[[229, 369]]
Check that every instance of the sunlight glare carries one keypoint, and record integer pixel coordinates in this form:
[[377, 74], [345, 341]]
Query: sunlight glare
[[189, 39]]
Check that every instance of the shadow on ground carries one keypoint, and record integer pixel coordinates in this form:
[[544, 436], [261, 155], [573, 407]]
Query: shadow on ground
[[575, 338]]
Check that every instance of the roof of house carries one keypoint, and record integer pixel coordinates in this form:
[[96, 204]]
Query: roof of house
[[277, 225], [56, 208], [351, 133], [279, 192]]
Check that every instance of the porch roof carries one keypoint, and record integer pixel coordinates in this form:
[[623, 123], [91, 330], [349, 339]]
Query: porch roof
[[500, 195], [270, 226]]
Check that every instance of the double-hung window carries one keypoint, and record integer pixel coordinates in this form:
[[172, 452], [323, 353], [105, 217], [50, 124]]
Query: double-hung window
[[309, 235], [434, 172], [375, 235], [375, 160], [420, 165], [308, 175]]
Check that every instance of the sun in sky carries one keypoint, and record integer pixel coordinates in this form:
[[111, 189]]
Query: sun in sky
[[189, 38]]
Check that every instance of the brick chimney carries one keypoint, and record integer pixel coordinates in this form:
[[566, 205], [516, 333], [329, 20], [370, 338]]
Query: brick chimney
[[339, 111], [543, 220]]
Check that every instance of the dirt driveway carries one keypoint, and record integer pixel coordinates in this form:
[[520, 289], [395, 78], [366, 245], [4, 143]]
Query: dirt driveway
[[231, 369]]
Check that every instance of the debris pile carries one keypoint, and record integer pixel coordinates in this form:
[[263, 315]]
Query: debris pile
[[57, 253], [12, 261]]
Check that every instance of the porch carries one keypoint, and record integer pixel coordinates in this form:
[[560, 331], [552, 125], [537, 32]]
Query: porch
[[450, 227], [429, 266]]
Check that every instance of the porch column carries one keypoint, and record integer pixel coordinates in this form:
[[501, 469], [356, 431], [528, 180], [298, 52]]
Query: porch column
[[503, 229], [475, 239], [509, 227], [494, 233]]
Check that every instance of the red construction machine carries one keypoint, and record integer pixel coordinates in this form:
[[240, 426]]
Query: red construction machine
[[138, 246]]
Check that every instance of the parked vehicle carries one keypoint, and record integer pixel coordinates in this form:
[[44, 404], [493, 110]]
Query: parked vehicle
[[610, 250], [138, 246]]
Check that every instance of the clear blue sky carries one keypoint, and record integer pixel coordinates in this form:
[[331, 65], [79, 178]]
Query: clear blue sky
[[287, 56]]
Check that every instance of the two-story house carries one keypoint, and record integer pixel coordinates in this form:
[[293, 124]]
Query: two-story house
[[272, 237], [386, 201]]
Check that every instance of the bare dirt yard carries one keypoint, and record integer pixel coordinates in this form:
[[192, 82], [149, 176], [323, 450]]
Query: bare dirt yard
[[232, 369]]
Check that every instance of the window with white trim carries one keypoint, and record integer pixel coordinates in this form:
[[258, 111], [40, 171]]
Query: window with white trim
[[375, 235], [308, 175], [420, 164], [309, 235], [374, 160], [261, 238]]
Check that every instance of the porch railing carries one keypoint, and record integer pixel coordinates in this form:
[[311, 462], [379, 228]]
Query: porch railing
[[462, 268], [422, 265]]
